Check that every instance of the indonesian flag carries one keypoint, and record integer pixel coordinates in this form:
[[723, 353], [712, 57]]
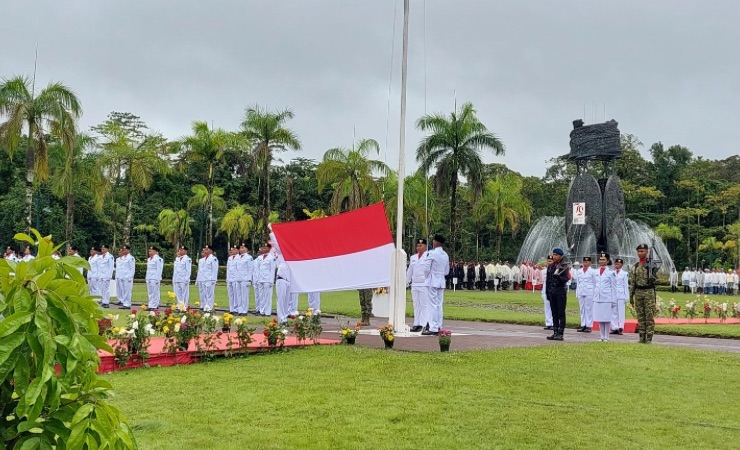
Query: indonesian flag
[[347, 251]]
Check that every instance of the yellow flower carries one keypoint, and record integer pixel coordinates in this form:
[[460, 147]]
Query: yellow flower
[[143, 307], [215, 304], [308, 314], [116, 330], [170, 294], [197, 303], [344, 332], [166, 329], [310, 309], [156, 324], [390, 338]]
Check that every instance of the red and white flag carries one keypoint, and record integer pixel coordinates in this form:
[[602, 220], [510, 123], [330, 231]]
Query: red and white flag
[[347, 251]]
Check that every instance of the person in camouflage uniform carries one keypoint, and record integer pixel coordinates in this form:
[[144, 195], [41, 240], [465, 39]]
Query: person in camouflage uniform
[[366, 305], [642, 294]]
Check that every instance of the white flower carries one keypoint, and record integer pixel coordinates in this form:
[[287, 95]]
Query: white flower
[[724, 307], [238, 321], [135, 324], [295, 313], [177, 328], [151, 313], [300, 317], [206, 315], [132, 333], [285, 331], [123, 332], [115, 317], [206, 308], [183, 319], [133, 316], [181, 306], [216, 319], [148, 327], [151, 331], [317, 312]]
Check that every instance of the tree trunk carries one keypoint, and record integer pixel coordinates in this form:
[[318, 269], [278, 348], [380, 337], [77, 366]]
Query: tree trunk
[[209, 234], [498, 245], [289, 200], [70, 219], [453, 207], [30, 176], [127, 220]]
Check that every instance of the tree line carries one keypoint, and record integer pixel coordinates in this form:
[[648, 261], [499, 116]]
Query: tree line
[[120, 183]]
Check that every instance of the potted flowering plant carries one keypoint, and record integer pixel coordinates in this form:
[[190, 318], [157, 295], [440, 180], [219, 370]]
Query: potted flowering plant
[[386, 333], [243, 332], [660, 307], [707, 307], [690, 310], [274, 333], [736, 310], [445, 339], [349, 334], [314, 324], [721, 310], [226, 325], [299, 325], [187, 327]]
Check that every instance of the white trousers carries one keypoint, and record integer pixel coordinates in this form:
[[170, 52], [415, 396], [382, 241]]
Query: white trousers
[[243, 297], [548, 311], [263, 298], [104, 289], [434, 312], [205, 293], [618, 315], [283, 300], [123, 291], [294, 301], [182, 292], [93, 284], [152, 290], [232, 289], [586, 308], [314, 300], [420, 300]]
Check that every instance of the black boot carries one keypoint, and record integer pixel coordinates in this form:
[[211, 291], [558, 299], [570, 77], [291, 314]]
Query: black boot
[[642, 338]]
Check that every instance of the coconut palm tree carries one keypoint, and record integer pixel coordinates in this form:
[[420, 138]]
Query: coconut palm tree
[[453, 148], [134, 161], [54, 111], [203, 201], [351, 174], [209, 146], [72, 169], [237, 223], [420, 206], [174, 226], [267, 132], [503, 202]]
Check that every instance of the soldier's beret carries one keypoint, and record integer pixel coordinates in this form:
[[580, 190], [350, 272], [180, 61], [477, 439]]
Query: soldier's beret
[[587, 258], [421, 241], [268, 245], [234, 247], [642, 247], [558, 251], [619, 260], [439, 238]]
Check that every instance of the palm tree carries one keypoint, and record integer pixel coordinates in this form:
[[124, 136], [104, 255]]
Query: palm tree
[[73, 170], [174, 226], [267, 132], [203, 200], [503, 202], [134, 161], [420, 206], [453, 148], [53, 111], [209, 146], [733, 233], [237, 223], [350, 173]]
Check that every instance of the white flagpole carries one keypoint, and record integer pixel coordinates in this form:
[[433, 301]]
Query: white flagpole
[[397, 313]]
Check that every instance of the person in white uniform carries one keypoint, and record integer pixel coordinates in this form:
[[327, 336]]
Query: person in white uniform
[[621, 294], [282, 283], [181, 273], [93, 273], [585, 293], [314, 301], [685, 280], [207, 277], [604, 296], [154, 266], [10, 254], [264, 277], [245, 271], [125, 269], [107, 265], [232, 280], [416, 277], [72, 251], [548, 308], [439, 267], [27, 255]]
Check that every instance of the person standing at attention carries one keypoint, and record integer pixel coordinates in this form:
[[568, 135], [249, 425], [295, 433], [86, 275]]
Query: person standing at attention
[[439, 267], [181, 274], [154, 266]]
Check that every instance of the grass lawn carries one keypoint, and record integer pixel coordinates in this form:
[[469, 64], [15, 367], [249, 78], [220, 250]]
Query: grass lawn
[[564, 396], [508, 307]]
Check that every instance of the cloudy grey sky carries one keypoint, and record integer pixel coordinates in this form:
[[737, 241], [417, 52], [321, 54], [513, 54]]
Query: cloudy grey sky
[[666, 70]]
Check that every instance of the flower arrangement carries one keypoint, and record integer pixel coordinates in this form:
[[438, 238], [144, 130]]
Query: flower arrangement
[[386, 333], [349, 334], [275, 333], [187, 327], [315, 328], [707, 307], [380, 290], [227, 319], [243, 332], [445, 339], [690, 310], [134, 338], [736, 310], [722, 310], [105, 327], [300, 325], [660, 307]]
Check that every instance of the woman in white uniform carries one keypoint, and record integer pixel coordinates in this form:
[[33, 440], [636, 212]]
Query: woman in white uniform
[[621, 293], [604, 296]]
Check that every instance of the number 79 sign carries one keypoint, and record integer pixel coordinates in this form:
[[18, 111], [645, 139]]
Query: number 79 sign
[[579, 213]]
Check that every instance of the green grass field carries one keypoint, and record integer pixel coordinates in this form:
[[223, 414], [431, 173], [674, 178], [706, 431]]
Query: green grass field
[[567, 396], [508, 307]]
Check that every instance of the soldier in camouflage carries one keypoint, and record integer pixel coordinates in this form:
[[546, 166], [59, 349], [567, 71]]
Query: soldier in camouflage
[[642, 294], [366, 305]]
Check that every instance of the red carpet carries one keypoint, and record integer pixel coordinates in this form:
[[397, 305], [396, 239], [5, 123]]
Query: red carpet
[[630, 325], [158, 358]]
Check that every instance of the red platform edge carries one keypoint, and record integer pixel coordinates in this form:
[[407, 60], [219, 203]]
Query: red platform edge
[[157, 357], [630, 325]]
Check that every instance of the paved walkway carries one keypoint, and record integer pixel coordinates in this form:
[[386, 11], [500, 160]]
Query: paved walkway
[[482, 335]]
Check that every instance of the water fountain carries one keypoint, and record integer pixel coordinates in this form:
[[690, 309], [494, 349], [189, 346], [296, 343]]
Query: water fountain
[[594, 218]]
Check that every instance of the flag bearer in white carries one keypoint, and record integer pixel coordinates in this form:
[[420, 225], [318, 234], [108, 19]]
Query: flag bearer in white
[[125, 268], [416, 276], [282, 281], [439, 267], [107, 265], [585, 279], [314, 301], [264, 277], [154, 265], [181, 276], [93, 273], [232, 280], [207, 277], [621, 293], [244, 271], [604, 299], [548, 308]]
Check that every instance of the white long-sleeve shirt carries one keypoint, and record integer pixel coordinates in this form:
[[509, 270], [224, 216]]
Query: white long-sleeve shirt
[[440, 266], [207, 269], [107, 265], [231, 270], [245, 267], [125, 267], [182, 269], [154, 265], [94, 271]]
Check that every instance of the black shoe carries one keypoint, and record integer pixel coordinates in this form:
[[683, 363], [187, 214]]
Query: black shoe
[[587, 330], [580, 330], [552, 337], [106, 306], [620, 331], [416, 328], [614, 332], [429, 333], [548, 328], [558, 337], [125, 307]]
